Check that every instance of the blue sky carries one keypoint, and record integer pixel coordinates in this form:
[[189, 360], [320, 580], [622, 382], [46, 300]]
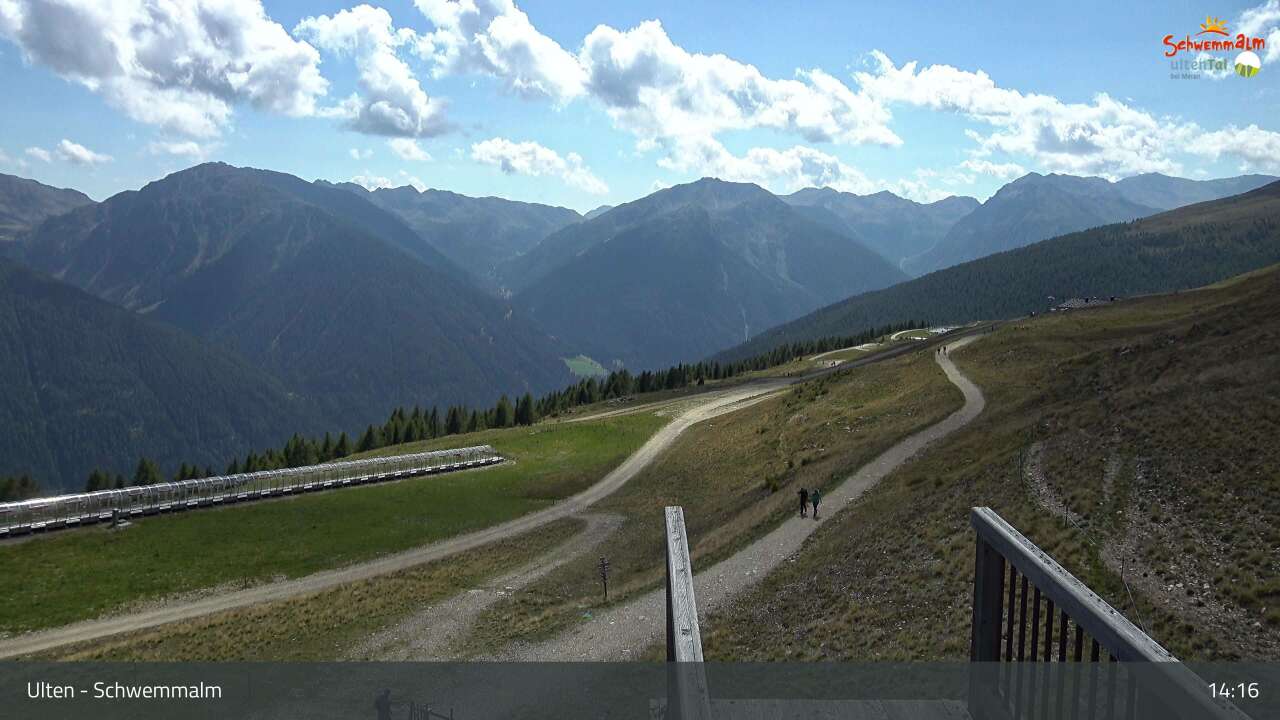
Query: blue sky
[[581, 104]]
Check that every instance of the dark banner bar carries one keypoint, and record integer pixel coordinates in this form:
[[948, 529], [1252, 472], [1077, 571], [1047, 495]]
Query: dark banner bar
[[472, 691]]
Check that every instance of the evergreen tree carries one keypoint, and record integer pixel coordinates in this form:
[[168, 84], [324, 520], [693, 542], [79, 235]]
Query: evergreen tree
[[343, 448], [147, 473], [503, 415]]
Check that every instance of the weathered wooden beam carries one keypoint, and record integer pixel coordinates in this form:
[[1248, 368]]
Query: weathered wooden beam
[[688, 697]]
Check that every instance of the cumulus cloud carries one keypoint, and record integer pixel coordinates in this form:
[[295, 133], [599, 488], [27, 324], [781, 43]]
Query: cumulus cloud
[[1263, 21], [1104, 137], [648, 84], [659, 91], [369, 181], [358, 154], [413, 181], [530, 158], [495, 38], [181, 65], [79, 154], [40, 154], [1000, 171], [188, 149], [408, 149], [391, 101]]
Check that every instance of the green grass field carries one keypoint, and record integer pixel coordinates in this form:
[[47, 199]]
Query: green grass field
[[50, 581], [1152, 421], [584, 367], [325, 626], [736, 477]]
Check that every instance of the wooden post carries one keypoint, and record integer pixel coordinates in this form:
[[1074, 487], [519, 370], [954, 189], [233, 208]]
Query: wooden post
[[604, 576], [687, 694]]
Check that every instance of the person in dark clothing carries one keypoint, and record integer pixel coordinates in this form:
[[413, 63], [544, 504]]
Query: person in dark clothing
[[815, 498], [804, 501], [383, 705]]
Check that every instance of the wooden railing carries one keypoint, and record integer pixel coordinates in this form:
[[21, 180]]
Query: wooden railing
[[1032, 624], [687, 695]]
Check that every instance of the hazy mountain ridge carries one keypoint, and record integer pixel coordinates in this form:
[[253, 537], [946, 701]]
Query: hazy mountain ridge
[[477, 234], [89, 384], [337, 297], [897, 228], [1037, 207], [26, 203], [1183, 248], [691, 269]]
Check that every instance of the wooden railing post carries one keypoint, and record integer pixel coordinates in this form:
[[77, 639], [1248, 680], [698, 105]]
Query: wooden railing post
[[687, 694]]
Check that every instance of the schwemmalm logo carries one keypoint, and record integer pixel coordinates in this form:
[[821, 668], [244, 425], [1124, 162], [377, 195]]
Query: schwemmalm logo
[[1214, 38]]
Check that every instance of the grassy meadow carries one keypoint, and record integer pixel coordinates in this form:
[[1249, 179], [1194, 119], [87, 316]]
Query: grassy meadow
[[77, 575], [1149, 427]]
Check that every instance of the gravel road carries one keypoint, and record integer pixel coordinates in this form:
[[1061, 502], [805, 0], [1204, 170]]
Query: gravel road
[[708, 405], [626, 631]]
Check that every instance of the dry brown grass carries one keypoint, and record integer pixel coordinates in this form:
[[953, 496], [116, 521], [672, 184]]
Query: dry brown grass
[[736, 477], [1157, 420]]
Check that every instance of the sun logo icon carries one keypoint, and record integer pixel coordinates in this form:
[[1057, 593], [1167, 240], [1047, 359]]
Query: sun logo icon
[[1214, 25], [1247, 64]]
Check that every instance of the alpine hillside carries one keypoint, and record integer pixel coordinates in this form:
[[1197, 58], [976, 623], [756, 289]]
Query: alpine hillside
[[316, 285], [688, 271], [1179, 249]]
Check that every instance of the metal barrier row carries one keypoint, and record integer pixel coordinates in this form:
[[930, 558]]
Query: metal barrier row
[[63, 511]]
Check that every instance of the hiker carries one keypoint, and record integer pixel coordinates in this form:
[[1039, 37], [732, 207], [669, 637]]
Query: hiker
[[815, 499], [383, 705], [804, 501]]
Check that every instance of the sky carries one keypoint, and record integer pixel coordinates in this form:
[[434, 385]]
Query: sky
[[582, 104]]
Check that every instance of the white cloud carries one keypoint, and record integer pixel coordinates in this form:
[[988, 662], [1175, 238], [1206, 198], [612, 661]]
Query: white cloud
[[1000, 171], [414, 181], [1257, 149], [372, 182], [79, 154], [1104, 137], [185, 149], [391, 101], [1263, 21], [180, 64], [358, 154], [408, 149], [659, 91], [495, 38], [530, 158], [40, 154]]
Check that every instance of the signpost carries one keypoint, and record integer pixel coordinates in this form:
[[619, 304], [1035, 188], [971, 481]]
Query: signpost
[[604, 577]]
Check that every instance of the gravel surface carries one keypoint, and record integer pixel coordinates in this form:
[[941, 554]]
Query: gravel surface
[[709, 405], [433, 633], [625, 632]]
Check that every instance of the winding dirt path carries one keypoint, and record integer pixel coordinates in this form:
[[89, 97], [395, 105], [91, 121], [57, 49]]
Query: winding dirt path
[[711, 405], [626, 631]]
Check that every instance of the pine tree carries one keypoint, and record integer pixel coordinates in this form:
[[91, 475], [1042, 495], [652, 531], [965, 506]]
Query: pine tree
[[148, 473], [343, 448], [502, 413]]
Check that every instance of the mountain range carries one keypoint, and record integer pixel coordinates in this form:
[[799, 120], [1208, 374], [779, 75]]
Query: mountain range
[[1037, 207], [88, 384], [477, 234], [1184, 248], [689, 270], [325, 290], [231, 307], [26, 203], [897, 228]]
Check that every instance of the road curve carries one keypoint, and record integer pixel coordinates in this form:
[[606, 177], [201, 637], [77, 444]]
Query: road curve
[[713, 404], [626, 631]]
